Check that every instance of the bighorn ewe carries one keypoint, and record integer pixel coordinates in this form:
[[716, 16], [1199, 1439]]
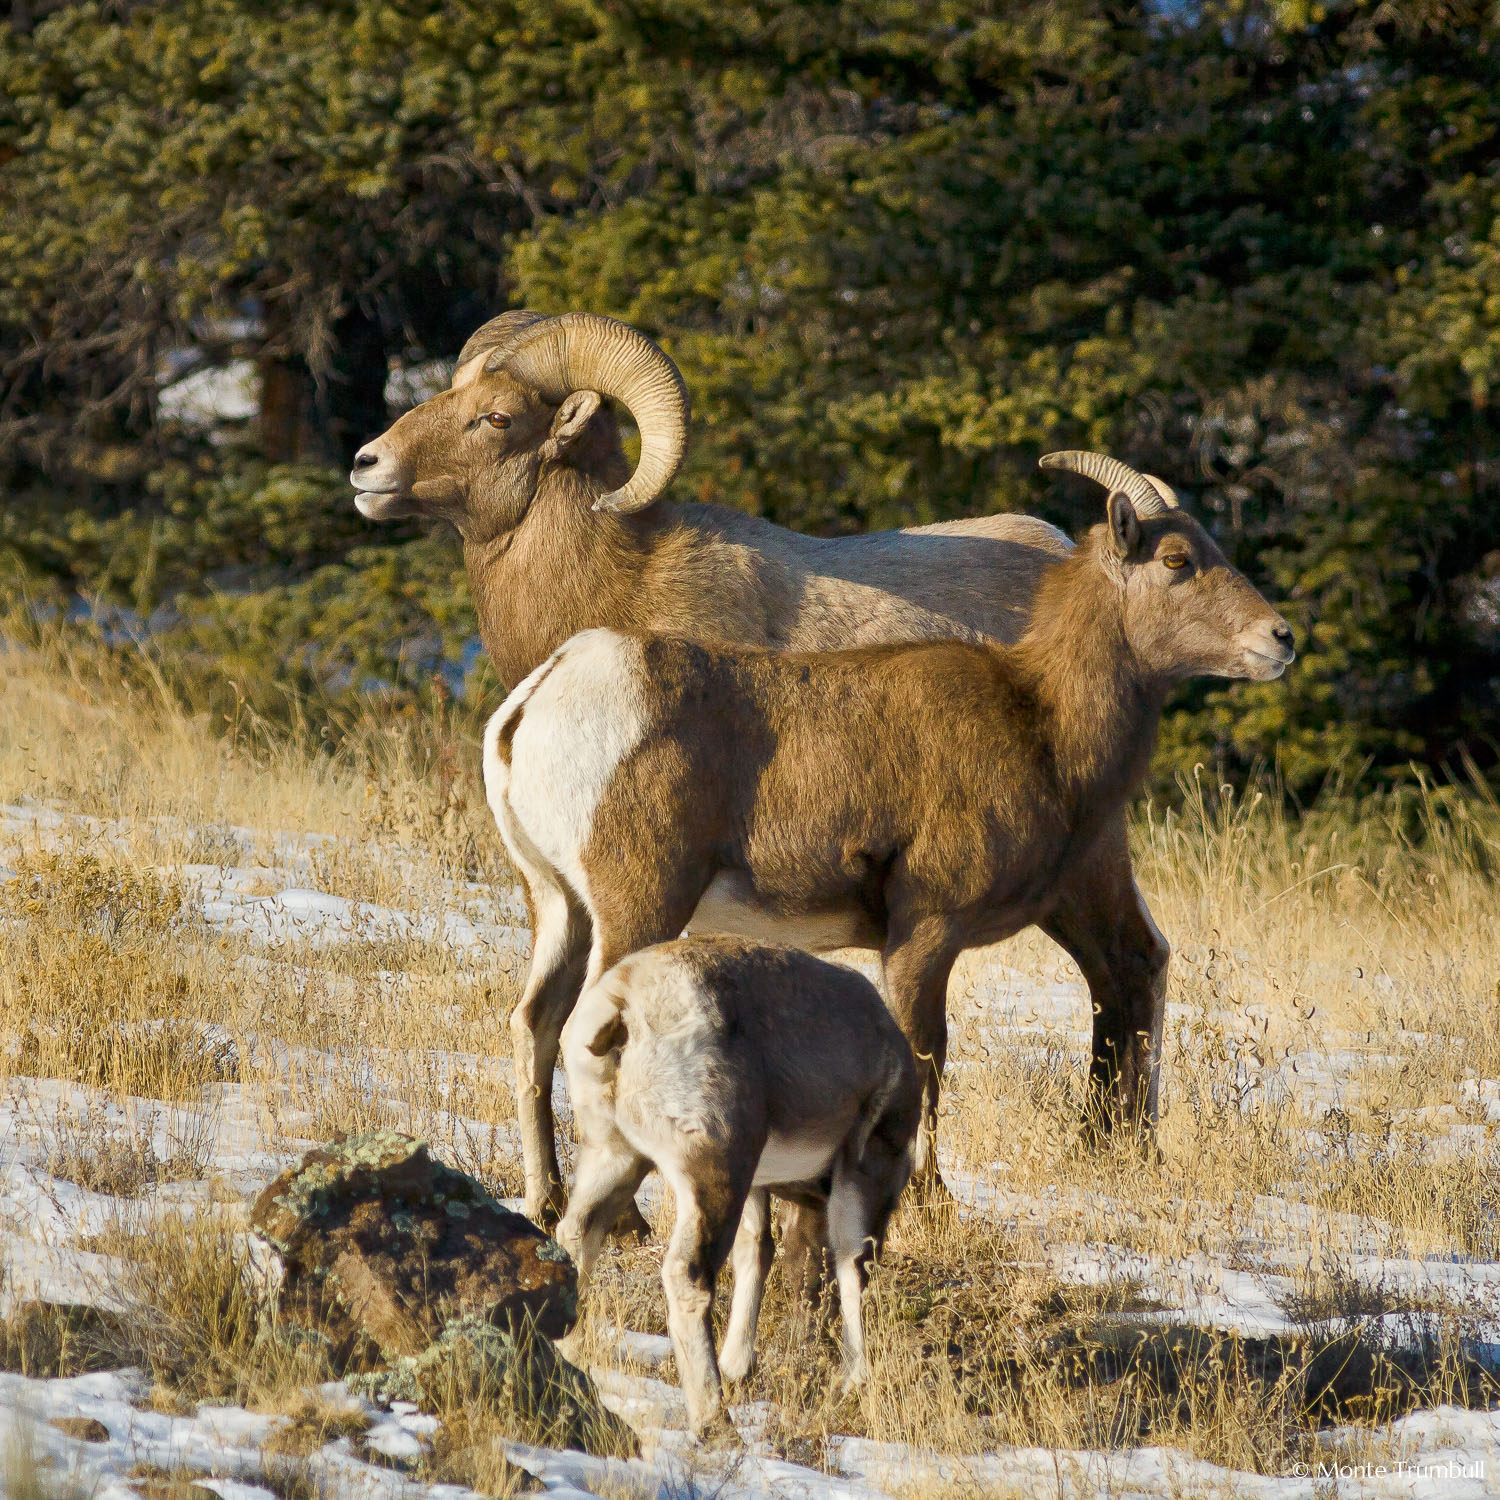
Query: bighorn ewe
[[737, 1070], [922, 799], [523, 458]]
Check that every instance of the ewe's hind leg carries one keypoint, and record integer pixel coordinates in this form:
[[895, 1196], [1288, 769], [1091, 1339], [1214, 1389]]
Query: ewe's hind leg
[[753, 1249], [559, 950], [1102, 921], [709, 1204]]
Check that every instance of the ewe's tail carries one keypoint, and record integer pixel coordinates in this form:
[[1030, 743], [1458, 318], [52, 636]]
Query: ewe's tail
[[501, 730]]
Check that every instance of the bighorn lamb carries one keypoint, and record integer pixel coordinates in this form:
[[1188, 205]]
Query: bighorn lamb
[[921, 799], [524, 459], [737, 1070]]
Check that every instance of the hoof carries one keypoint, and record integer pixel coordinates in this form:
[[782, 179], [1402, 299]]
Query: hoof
[[718, 1432], [544, 1215]]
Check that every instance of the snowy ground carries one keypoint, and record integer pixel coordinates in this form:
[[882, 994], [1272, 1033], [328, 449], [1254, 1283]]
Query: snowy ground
[[268, 893]]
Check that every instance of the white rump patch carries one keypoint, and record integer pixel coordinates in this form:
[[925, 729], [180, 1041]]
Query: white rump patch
[[576, 726]]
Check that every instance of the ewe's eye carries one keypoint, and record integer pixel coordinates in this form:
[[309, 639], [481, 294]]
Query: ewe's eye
[[498, 420], [1175, 561]]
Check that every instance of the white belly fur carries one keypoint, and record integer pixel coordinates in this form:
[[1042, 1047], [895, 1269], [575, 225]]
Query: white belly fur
[[726, 907], [788, 1160]]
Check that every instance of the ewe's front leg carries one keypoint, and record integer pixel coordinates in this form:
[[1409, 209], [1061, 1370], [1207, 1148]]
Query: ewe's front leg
[[1102, 921], [918, 959], [753, 1249], [804, 1251]]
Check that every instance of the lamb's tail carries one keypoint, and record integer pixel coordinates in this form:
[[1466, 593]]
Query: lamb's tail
[[598, 1025]]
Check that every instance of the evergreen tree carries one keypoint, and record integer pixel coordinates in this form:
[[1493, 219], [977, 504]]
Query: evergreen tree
[[898, 251]]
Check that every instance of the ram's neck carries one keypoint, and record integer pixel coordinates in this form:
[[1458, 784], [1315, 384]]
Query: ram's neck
[[1100, 711], [568, 567]]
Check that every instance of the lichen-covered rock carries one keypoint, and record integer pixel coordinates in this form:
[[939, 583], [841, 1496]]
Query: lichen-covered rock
[[473, 1364], [383, 1247]]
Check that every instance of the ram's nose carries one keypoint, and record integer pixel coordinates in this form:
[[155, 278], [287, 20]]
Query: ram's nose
[[366, 458]]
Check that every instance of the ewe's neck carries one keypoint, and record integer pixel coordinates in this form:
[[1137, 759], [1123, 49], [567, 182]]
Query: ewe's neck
[[1101, 709]]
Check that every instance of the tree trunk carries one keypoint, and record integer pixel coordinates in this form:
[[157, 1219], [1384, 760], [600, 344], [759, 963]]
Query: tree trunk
[[286, 410], [350, 399]]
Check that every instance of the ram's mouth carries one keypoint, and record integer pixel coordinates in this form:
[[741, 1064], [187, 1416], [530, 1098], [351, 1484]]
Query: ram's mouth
[[382, 505]]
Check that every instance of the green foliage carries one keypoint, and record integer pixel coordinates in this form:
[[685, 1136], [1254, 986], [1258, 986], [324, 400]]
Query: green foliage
[[898, 251]]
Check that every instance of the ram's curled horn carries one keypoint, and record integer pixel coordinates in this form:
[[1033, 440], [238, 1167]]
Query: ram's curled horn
[[493, 340], [1151, 497], [586, 352]]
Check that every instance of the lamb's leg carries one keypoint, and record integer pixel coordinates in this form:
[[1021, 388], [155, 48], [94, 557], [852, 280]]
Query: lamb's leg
[[918, 958], [626, 919], [861, 1200], [609, 1172], [1102, 921], [709, 1204], [753, 1249], [559, 948]]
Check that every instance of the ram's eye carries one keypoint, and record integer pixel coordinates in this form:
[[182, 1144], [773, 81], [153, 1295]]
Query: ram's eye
[[497, 419], [1175, 561]]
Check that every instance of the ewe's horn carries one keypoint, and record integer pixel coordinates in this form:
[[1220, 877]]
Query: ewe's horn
[[586, 352], [1150, 496]]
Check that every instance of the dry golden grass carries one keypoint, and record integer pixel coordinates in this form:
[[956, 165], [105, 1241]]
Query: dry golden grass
[[1333, 992]]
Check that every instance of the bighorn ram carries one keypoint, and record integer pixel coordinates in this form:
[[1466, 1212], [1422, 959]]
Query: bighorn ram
[[738, 1070], [524, 459], [921, 799]]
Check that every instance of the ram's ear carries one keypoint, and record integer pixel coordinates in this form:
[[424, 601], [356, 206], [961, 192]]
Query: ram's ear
[[468, 372], [1124, 527], [573, 417]]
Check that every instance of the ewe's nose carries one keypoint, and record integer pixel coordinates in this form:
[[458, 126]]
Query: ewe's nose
[[1283, 634], [366, 458]]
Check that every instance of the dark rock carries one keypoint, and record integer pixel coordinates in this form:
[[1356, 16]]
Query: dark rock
[[515, 1375], [382, 1248]]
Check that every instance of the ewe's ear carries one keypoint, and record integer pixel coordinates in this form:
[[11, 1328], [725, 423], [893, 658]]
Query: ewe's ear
[[1124, 528], [573, 416]]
